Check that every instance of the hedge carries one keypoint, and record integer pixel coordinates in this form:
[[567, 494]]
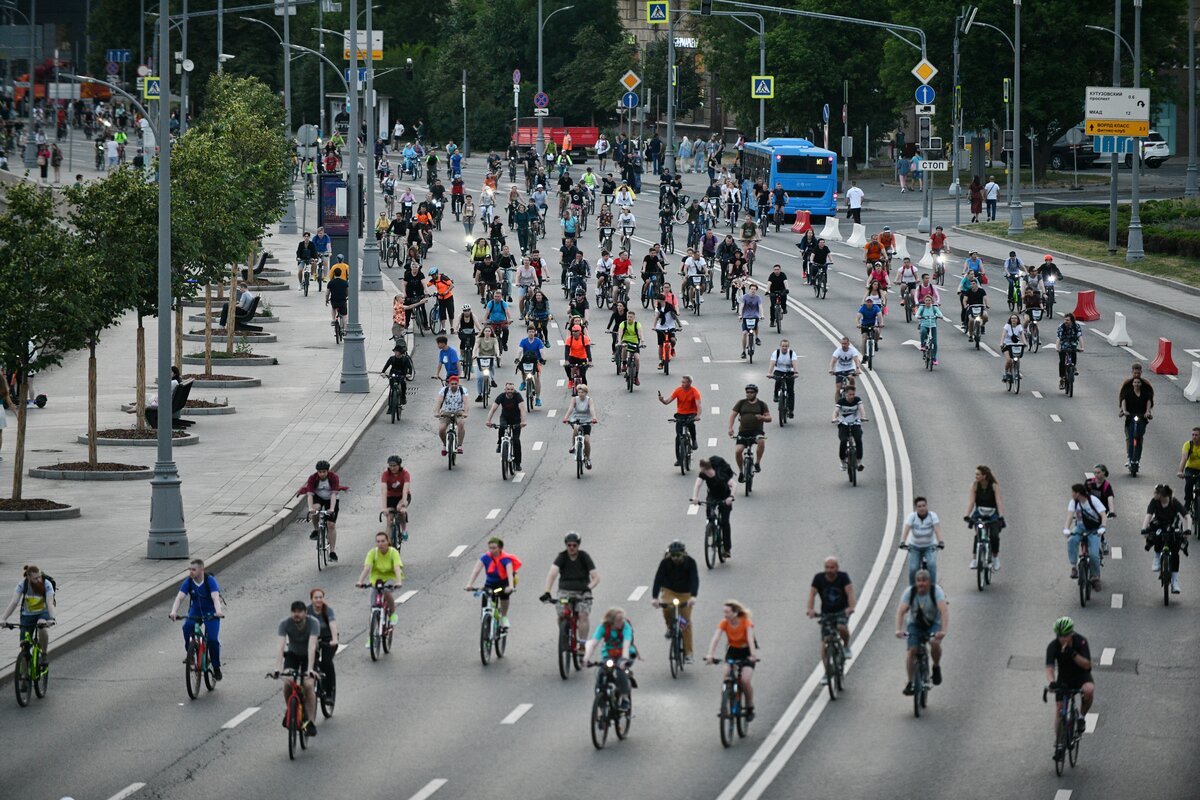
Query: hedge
[[1170, 227]]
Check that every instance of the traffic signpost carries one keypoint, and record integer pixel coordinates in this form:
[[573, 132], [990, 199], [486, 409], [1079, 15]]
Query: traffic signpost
[[629, 100], [762, 87], [926, 111], [150, 87], [541, 100], [630, 80], [924, 94], [1116, 111], [658, 12], [924, 71]]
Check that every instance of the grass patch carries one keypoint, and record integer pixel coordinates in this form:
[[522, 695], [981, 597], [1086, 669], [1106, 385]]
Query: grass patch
[[1179, 268]]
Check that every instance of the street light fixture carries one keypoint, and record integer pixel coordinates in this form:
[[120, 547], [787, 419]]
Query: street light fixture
[[1114, 33], [541, 141]]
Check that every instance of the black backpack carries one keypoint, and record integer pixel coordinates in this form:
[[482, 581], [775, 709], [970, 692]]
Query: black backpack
[[724, 470]]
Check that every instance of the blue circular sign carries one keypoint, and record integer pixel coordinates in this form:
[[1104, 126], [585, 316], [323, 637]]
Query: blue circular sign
[[825, 113], [516, 76], [924, 94], [541, 100], [629, 100]]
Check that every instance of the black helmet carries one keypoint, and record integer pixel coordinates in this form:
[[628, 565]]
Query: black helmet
[[322, 464], [341, 257], [751, 387], [571, 536], [676, 546], [394, 460]]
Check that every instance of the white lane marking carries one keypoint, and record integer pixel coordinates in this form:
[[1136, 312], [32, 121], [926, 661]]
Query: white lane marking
[[685, 322], [714, 386], [240, 718], [409, 595], [1062, 794], [1072, 445], [1092, 719], [1133, 353], [637, 593], [538, 446], [495, 512], [458, 551], [128, 790], [1107, 655], [561, 343], [1117, 553], [1118, 601], [1037, 394], [520, 476], [698, 340], [561, 382], [553, 324], [341, 647], [552, 412], [705, 359], [693, 509], [428, 789], [712, 441], [516, 714], [1053, 418], [990, 350], [1171, 377], [716, 410], [851, 277]]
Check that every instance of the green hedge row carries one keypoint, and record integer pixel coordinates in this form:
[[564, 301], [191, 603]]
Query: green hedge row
[[1170, 227]]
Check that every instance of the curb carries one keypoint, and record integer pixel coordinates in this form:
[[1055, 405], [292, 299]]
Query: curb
[[1167, 282], [248, 383], [70, 512], [262, 338], [129, 408], [191, 438], [232, 362], [256, 321], [84, 475], [271, 287]]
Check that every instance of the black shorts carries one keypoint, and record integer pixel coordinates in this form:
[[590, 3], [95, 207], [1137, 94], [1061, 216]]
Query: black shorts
[[737, 653], [340, 308], [392, 502], [325, 504], [747, 439], [296, 662]]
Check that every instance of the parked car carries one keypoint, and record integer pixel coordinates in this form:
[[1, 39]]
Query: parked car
[[1064, 156]]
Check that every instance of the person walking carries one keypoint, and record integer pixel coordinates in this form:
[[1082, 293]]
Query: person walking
[[991, 192], [976, 194], [903, 166], [685, 153], [56, 159], [854, 201]]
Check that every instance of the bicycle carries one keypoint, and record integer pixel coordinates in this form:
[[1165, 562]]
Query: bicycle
[[380, 629], [294, 721], [714, 544], [921, 680], [606, 238], [733, 714], [322, 541], [928, 335], [577, 445], [751, 324], [1170, 547], [667, 240], [650, 290], [666, 351], [869, 344], [631, 369], [1014, 294], [31, 673], [1135, 431], [570, 649], [486, 365], [396, 397], [676, 654], [777, 312], [1048, 296], [974, 324], [1033, 336], [939, 268], [451, 440], [529, 383], [909, 302], [748, 465], [492, 635], [981, 546], [1012, 376], [627, 238], [820, 280], [852, 466], [1069, 372], [1067, 735], [305, 275], [692, 292], [1083, 568], [835, 653], [785, 394], [606, 707], [683, 441], [397, 517], [603, 289], [508, 463]]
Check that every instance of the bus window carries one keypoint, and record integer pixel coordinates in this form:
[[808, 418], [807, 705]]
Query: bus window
[[803, 165]]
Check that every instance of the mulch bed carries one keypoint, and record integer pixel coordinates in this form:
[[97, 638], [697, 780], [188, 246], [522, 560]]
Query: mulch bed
[[218, 356], [102, 466], [30, 504], [220, 332], [204, 404], [215, 377], [264, 282], [134, 433]]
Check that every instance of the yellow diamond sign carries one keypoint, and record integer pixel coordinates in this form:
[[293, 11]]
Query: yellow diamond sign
[[924, 70], [630, 80]]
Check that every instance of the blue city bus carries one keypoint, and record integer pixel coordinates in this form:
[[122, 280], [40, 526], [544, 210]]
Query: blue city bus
[[807, 173]]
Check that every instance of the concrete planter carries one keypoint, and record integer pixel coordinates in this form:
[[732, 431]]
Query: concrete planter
[[92, 475], [217, 316], [261, 338], [233, 362], [178, 441], [129, 408], [245, 383], [270, 287], [70, 512]]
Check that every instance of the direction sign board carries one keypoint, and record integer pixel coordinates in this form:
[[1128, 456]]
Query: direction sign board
[[1107, 127], [516, 76], [926, 111], [630, 81], [120, 56], [362, 75], [924, 70], [541, 112], [629, 100], [658, 12], [928, 165], [541, 100], [825, 113], [924, 94], [150, 88], [112, 68], [1112, 144], [376, 45], [1114, 111], [762, 87]]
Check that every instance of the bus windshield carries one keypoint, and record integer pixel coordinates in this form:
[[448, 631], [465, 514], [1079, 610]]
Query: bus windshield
[[803, 165]]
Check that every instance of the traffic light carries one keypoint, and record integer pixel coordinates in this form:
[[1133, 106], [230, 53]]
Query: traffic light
[[923, 132], [706, 8]]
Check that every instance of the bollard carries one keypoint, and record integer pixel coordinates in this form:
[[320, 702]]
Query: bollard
[[803, 222], [1085, 307], [1163, 364], [927, 259], [858, 236], [1118, 335], [902, 247], [1192, 390], [830, 232]]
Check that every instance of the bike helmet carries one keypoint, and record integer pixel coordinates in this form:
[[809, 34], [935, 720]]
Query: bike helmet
[[887, 228], [433, 271], [579, 292], [394, 460], [322, 464], [1047, 258], [571, 536], [341, 257], [751, 387], [676, 546], [1064, 626], [466, 307]]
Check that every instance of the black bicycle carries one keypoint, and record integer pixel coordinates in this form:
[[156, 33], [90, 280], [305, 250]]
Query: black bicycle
[[922, 681], [1068, 733], [714, 542], [785, 394], [835, 653], [820, 280], [683, 442], [322, 538], [397, 391], [734, 714], [676, 655], [607, 708]]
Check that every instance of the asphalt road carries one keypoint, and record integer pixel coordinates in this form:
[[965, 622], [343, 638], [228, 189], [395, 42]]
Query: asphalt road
[[430, 719]]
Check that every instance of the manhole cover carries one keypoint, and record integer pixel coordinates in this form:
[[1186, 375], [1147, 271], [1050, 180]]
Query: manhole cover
[[45, 451], [231, 513]]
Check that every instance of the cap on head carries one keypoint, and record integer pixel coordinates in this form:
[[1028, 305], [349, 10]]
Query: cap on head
[[676, 546]]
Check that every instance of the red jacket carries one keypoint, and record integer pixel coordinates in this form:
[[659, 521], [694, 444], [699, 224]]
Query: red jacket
[[310, 486]]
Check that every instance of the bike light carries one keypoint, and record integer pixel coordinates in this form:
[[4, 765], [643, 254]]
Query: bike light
[[1050, 280], [609, 663]]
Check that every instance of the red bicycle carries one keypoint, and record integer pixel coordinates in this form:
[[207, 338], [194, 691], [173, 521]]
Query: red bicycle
[[570, 649], [294, 720]]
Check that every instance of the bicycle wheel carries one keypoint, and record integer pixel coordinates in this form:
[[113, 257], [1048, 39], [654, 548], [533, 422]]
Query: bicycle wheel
[[726, 717], [564, 649], [748, 469], [1076, 740], [1062, 745], [1016, 377], [675, 652], [1163, 578], [852, 462], [711, 543], [783, 406], [621, 723], [210, 680], [23, 678], [304, 284], [322, 558], [578, 461], [192, 671], [831, 671], [918, 686], [485, 640], [293, 725], [1085, 586], [327, 698], [841, 667], [373, 635], [505, 474], [385, 637], [743, 722], [980, 559], [600, 720], [501, 641]]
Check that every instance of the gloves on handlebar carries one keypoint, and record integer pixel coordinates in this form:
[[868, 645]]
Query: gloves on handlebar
[[545, 598]]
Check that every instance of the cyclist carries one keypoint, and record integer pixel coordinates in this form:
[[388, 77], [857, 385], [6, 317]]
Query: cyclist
[[452, 404], [923, 611], [1085, 516], [1189, 468], [327, 641], [750, 413], [321, 243], [577, 576], [443, 287], [750, 307], [204, 605], [383, 564], [973, 266], [869, 320], [926, 288], [693, 267], [614, 637], [888, 241], [837, 597], [740, 641], [819, 256], [35, 596], [687, 407], [923, 535], [500, 572], [447, 359], [1013, 269], [512, 415], [984, 501], [777, 289], [666, 323], [531, 353], [322, 490], [1099, 487], [677, 578], [497, 315], [1013, 333], [927, 316], [844, 365], [974, 295], [581, 409], [1070, 339], [873, 253], [908, 276], [1069, 652], [783, 369], [298, 637], [1164, 524], [779, 200], [337, 293], [629, 335], [849, 412], [399, 366], [1137, 403], [716, 475], [306, 251], [396, 492]]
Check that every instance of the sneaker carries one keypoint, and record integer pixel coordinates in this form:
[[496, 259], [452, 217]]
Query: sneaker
[[975, 565], [749, 713], [498, 449], [517, 467], [537, 402], [444, 451], [743, 354], [394, 618], [332, 557], [861, 466], [624, 704], [848, 652], [824, 680], [1095, 584], [937, 674], [310, 729], [313, 535], [843, 465], [935, 362], [504, 623], [677, 462], [458, 450], [1059, 753], [1175, 583], [522, 387], [587, 463], [1081, 725], [217, 673], [478, 398], [1157, 562], [758, 467], [741, 478], [908, 689], [758, 342], [637, 381], [666, 635], [1074, 573], [996, 564]]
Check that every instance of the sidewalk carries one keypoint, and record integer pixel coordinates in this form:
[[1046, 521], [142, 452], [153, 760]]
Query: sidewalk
[[238, 480]]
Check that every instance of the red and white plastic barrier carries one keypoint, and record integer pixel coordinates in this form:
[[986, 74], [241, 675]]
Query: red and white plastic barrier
[[1163, 364], [1085, 307]]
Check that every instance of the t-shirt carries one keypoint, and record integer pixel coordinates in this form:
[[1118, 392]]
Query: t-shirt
[[775, 282], [748, 411], [869, 314], [832, 592], [849, 412], [921, 533], [991, 190], [1135, 404], [339, 289], [1191, 454], [531, 349], [323, 620], [298, 634], [1164, 516], [35, 603], [574, 574], [844, 359], [510, 407], [383, 565], [751, 306], [738, 635], [448, 358], [922, 608], [1069, 672], [497, 311], [613, 641], [1013, 334], [577, 346], [854, 196], [395, 483], [453, 402], [1090, 512], [200, 595], [687, 401], [820, 254], [975, 296]]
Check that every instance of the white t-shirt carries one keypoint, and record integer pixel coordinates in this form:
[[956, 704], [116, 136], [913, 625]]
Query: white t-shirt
[[1010, 331], [1092, 508], [694, 266], [854, 197], [921, 532], [784, 362], [909, 274], [845, 359], [453, 402], [991, 190]]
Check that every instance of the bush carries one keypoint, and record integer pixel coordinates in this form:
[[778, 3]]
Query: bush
[[1169, 227]]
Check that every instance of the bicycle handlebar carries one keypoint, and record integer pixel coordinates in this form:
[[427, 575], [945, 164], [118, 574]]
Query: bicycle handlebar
[[41, 623], [906, 546]]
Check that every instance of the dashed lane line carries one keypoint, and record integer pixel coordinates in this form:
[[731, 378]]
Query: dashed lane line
[[428, 789], [1055, 418], [693, 509], [1092, 719], [1117, 553], [714, 386], [409, 595], [1072, 445], [1107, 655], [495, 512], [538, 445], [1062, 794], [458, 551], [127, 791], [240, 718], [1037, 394], [1118, 601], [712, 441], [851, 277], [1133, 353], [637, 593], [516, 714]]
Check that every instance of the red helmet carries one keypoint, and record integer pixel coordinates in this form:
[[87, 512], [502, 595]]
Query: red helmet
[[1047, 258]]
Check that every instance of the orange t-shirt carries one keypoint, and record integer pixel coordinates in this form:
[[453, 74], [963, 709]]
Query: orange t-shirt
[[577, 346], [874, 251], [737, 636], [687, 400], [886, 239]]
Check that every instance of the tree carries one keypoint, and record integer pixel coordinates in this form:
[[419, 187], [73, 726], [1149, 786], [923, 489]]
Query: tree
[[39, 297]]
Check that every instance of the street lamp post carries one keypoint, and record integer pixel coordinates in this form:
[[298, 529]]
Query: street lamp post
[[167, 536], [1114, 175], [670, 144], [370, 279], [1134, 250], [541, 142], [183, 72], [1016, 221], [31, 95], [288, 223], [1191, 189]]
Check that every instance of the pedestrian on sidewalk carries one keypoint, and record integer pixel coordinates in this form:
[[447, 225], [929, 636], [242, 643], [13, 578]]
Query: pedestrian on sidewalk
[[685, 154], [43, 161], [976, 193], [991, 191], [903, 166], [854, 201], [917, 176], [56, 159]]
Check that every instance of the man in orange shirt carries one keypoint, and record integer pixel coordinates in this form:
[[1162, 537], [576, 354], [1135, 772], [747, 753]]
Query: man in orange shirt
[[874, 252], [443, 285], [578, 353], [687, 407]]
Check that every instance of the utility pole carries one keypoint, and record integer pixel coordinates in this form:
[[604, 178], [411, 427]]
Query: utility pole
[[30, 139], [354, 356], [669, 145], [1016, 221], [466, 145], [220, 36], [1113, 176], [370, 279], [288, 223], [183, 73], [541, 142], [1134, 250], [1191, 189], [321, 66]]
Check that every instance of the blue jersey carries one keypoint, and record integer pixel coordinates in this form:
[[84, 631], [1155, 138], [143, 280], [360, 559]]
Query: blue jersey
[[497, 311], [869, 313], [200, 596], [448, 358], [321, 242], [531, 349]]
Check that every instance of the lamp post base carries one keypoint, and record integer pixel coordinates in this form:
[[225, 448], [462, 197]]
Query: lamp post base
[[370, 279], [168, 533], [1135, 250], [1016, 219], [354, 362], [287, 224]]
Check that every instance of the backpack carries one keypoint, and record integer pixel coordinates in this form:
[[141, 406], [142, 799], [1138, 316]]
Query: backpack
[[1086, 510], [722, 467]]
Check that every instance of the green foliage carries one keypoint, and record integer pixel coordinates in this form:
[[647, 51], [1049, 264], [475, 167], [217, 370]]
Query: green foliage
[[653, 73], [1168, 226]]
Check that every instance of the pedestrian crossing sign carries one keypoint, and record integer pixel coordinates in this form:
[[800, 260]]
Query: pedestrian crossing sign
[[657, 12], [762, 87], [150, 88]]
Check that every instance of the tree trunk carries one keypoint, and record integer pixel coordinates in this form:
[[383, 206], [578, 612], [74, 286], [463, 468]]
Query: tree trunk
[[231, 314], [179, 315], [141, 374], [91, 412], [19, 451], [208, 321]]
